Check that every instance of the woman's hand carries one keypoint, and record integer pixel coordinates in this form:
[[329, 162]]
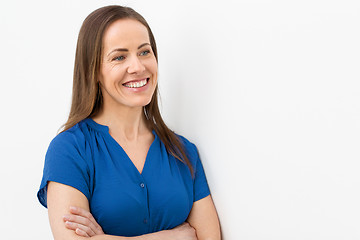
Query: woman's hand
[[82, 222], [183, 232]]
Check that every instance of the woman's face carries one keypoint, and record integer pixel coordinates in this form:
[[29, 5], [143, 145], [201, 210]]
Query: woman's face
[[128, 73]]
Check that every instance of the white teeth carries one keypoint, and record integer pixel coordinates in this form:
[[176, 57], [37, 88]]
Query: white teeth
[[137, 84]]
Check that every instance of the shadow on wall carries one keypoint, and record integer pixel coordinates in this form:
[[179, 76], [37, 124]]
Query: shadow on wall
[[191, 82], [190, 92]]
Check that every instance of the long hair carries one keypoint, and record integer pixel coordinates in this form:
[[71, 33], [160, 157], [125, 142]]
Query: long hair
[[86, 96]]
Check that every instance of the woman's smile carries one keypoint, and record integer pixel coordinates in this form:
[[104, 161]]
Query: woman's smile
[[137, 84]]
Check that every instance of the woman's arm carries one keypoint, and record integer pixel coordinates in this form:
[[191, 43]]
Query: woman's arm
[[203, 216], [204, 219], [59, 199]]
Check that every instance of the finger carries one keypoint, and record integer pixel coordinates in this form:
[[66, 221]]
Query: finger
[[85, 218], [74, 226], [80, 220], [80, 232], [86, 214]]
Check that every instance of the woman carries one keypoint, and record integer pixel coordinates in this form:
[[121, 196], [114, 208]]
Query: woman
[[116, 168]]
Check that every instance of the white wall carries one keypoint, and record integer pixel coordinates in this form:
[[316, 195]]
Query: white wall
[[268, 90]]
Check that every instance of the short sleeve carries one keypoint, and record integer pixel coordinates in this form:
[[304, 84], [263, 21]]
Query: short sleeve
[[65, 163], [201, 187]]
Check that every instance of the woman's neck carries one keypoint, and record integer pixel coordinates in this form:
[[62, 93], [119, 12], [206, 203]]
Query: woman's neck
[[125, 122]]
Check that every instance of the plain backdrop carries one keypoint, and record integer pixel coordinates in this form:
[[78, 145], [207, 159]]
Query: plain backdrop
[[269, 91]]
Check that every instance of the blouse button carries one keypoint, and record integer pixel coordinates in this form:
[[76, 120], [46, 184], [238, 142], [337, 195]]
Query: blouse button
[[142, 185], [145, 220]]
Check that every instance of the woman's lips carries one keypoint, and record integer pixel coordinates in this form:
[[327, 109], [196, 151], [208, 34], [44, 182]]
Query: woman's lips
[[136, 83]]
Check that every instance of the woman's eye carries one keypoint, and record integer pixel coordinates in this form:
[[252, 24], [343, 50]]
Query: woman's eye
[[144, 53], [119, 58]]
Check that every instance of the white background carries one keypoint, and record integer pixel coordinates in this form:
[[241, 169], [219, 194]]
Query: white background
[[268, 90]]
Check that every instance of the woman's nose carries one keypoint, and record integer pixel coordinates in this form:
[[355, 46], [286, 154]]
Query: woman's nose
[[135, 65]]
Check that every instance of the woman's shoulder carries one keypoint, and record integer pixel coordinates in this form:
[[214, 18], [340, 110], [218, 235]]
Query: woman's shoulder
[[185, 140], [189, 146], [74, 137], [68, 135]]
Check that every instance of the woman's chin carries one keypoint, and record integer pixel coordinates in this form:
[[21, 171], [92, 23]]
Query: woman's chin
[[139, 103]]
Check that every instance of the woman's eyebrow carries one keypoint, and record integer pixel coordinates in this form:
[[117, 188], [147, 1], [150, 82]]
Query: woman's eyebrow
[[125, 49], [142, 45]]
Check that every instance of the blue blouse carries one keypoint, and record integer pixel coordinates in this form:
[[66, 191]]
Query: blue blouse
[[123, 201]]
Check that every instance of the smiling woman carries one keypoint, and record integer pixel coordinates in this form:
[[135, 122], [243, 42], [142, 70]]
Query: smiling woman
[[128, 73], [116, 171]]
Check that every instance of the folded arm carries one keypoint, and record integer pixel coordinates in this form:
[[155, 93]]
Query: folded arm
[[204, 219], [61, 197]]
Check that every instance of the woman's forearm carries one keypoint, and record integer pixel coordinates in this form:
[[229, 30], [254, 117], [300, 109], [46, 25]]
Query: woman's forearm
[[162, 235], [182, 232]]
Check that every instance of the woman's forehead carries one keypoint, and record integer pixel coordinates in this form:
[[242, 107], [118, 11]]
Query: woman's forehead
[[125, 32]]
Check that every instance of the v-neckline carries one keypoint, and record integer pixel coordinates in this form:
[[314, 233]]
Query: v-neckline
[[129, 159], [105, 129]]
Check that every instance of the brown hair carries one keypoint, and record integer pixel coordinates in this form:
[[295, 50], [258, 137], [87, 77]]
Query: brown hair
[[87, 97]]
